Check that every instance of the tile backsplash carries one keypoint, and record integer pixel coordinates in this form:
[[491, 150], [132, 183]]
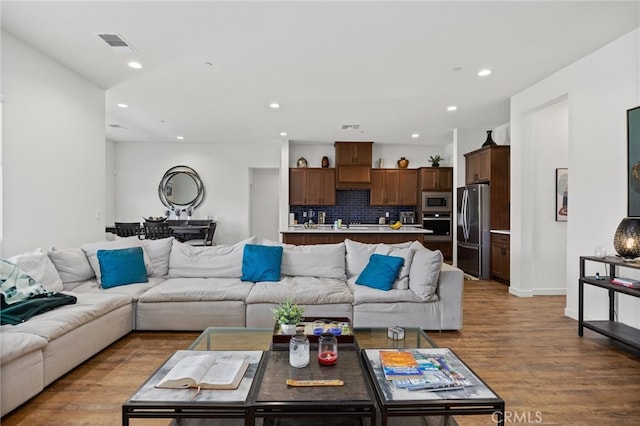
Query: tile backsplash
[[352, 206]]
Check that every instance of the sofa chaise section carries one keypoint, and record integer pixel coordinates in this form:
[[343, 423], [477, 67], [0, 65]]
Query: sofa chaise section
[[21, 368]]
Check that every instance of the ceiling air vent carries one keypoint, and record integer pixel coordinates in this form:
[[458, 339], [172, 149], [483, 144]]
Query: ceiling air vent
[[350, 126], [117, 42]]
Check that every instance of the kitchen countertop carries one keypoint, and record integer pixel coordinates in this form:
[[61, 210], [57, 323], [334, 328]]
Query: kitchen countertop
[[364, 229], [501, 231]]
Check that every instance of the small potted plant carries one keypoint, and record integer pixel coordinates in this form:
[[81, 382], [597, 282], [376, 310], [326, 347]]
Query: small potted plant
[[288, 315], [435, 160]]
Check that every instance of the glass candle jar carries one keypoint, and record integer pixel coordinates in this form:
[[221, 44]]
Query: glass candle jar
[[299, 350], [327, 349]]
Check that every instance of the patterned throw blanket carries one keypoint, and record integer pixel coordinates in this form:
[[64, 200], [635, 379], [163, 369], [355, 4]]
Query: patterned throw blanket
[[23, 297]]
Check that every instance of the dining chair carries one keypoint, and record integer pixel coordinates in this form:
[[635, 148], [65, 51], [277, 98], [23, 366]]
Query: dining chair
[[207, 240], [128, 229], [156, 230]]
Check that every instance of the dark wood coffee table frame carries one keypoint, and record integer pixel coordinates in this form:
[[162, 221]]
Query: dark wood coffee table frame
[[353, 400]]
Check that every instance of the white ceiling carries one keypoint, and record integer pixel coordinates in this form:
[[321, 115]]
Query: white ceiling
[[387, 66]]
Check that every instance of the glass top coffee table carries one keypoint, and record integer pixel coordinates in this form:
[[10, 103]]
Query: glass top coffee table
[[239, 338], [363, 396]]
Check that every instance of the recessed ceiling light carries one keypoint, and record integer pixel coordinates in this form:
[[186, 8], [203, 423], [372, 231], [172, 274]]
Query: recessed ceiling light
[[123, 105], [274, 105], [484, 72], [180, 138], [135, 65], [415, 135], [452, 108], [283, 133]]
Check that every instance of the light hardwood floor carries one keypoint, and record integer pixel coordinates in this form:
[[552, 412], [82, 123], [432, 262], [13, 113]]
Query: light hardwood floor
[[524, 348]]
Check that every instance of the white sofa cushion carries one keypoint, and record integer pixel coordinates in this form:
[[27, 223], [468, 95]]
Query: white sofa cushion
[[319, 260], [91, 250], [38, 266], [14, 345], [303, 290], [364, 294], [197, 289], [72, 265], [59, 321], [159, 252], [425, 271], [358, 255], [134, 291], [221, 261]]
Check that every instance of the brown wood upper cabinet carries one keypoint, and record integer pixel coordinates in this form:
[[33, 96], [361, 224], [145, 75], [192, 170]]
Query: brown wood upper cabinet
[[353, 165], [436, 178], [394, 187], [486, 164], [491, 165], [312, 187]]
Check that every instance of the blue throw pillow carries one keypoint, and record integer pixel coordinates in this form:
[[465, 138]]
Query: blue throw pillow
[[122, 266], [380, 272], [261, 263]]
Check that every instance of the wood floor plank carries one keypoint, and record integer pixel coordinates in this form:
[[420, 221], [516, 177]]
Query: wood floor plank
[[524, 348]]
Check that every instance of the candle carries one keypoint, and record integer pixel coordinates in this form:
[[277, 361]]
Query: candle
[[327, 358]]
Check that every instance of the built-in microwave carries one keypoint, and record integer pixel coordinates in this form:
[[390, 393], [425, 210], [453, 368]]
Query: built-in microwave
[[436, 202]]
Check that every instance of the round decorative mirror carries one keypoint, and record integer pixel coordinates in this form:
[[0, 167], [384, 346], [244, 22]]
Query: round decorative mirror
[[181, 187]]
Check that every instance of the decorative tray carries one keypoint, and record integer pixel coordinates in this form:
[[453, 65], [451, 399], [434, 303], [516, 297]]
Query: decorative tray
[[339, 327]]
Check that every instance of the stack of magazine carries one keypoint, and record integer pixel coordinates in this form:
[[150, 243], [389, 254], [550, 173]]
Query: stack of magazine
[[413, 370]]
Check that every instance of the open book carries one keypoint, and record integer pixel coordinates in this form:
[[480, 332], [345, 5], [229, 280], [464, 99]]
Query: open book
[[205, 372]]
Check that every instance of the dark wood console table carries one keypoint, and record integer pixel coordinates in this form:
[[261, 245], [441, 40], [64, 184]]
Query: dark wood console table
[[610, 328]]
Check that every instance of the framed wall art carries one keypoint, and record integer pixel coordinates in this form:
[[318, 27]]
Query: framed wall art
[[562, 193], [633, 162]]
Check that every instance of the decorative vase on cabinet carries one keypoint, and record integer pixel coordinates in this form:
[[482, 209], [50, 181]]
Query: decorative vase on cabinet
[[403, 163]]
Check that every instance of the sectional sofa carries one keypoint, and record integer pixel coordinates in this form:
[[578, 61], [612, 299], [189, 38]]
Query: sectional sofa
[[191, 288]]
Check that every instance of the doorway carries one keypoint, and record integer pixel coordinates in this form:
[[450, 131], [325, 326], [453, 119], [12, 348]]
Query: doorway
[[264, 186]]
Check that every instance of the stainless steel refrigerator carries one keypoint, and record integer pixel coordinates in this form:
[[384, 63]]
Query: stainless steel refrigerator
[[473, 230]]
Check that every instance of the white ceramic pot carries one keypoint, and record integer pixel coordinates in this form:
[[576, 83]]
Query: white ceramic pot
[[288, 328]]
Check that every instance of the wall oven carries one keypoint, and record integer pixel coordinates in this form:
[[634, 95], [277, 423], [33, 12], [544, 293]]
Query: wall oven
[[439, 223], [436, 202]]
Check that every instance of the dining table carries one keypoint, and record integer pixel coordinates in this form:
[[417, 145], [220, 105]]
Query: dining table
[[182, 230]]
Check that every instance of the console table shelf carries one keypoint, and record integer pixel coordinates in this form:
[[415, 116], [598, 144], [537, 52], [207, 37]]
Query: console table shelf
[[610, 328]]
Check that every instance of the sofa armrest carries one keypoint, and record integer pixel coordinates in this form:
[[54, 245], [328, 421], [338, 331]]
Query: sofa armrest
[[450, 288]]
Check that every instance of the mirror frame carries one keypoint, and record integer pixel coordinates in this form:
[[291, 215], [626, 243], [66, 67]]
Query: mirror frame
[[162, 187]]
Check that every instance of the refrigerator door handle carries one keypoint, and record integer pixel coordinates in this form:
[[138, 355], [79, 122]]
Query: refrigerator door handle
[[465, 216]]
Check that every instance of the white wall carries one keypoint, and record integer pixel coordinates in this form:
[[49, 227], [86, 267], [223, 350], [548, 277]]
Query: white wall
[[53, 145], [599, 89], [223, 168]]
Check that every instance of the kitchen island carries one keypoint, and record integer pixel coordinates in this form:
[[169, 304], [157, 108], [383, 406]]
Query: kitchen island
[[372, 234]]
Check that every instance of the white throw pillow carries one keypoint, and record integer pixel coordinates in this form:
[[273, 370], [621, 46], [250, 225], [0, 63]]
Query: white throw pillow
[[320, 260], [38, 266], [402, 281], [91, 250], [314, 260], [72, 264], [358, 255], [425, 271], [159, 252], [220, 261]]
